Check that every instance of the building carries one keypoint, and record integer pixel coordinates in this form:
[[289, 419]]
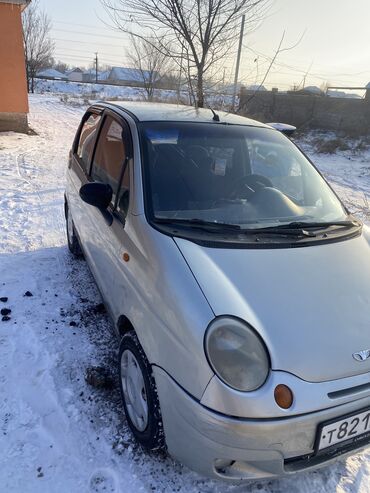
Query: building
[[13, 81], [51, 73], [75, 75], [90, 75], [308, 91], [367, 95], [130, 76]]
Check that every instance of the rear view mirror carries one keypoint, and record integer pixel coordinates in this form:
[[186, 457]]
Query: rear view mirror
[[97, 194]]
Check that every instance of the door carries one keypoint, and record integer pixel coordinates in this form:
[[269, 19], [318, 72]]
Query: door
[[79, 168], [104, 239]]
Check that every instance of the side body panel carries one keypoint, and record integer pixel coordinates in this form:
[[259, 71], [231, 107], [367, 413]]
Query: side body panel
[[155, 289]]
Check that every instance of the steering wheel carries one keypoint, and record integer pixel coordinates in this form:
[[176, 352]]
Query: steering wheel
[[246, 186]]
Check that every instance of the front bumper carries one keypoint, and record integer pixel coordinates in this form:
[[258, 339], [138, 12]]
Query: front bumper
[[235, 449]]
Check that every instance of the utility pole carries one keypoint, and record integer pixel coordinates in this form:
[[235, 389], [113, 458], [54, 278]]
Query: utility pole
[[238, 62], [180, 76], [96, 67]]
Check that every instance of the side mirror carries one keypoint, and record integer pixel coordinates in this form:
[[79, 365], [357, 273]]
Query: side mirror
[[284, 128], [97, 194]]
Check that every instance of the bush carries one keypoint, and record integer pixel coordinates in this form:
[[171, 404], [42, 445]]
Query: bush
[[331, 146]]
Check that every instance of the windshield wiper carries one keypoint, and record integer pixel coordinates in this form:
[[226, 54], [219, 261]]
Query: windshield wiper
[[301, 228], [279, 230], [318, 225], [198, 223]]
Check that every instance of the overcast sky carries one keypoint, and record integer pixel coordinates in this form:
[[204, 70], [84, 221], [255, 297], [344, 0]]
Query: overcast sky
[[335, 47]]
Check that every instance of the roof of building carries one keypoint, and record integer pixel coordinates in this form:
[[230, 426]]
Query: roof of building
[[256, 87], [144, 111], [104, 75], [75, 69], [51, 72], [128, 74], [368, 86], [101, 75], [313, 90]]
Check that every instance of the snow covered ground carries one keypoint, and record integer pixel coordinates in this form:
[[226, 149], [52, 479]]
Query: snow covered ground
[[85, 91], [99, 91], [57, 434]]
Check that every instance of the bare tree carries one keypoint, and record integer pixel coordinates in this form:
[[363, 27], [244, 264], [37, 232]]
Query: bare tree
[[280, 49], [60, 66], [149, 62], [38, 46], [196, 34]]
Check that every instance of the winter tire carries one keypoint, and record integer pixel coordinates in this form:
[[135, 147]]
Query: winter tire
[[139, 394]]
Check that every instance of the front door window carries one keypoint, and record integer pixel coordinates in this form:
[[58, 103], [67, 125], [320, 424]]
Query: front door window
[[109, 156]]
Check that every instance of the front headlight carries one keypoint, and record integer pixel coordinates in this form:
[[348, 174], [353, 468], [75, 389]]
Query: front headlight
[[236, 354]]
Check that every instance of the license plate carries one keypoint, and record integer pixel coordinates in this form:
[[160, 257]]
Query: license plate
[[349, 428]]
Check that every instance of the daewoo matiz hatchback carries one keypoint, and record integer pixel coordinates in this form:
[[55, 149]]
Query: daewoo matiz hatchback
[[238, 283]]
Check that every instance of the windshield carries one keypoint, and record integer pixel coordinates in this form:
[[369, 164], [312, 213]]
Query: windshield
[[247, 176]]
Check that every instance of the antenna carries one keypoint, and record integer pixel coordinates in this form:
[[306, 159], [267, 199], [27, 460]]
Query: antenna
[[215, 118]]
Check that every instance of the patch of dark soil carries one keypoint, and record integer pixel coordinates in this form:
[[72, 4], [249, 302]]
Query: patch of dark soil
[[28, 294], [4, 299], [5, 311], [99, 309], [99, 377]]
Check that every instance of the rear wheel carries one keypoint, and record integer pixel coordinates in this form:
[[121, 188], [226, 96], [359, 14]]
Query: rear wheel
[[73, 243], [139, 394]]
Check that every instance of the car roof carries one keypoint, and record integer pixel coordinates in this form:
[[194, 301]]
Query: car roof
[[145, 112]]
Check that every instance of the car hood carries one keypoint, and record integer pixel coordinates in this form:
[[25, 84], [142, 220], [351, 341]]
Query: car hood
[[311, 305]]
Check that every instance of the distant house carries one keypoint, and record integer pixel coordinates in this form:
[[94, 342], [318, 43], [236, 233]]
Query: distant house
[[130, 76], [313, 90], [90, 75], [309, 90], [229, 89], [13, 82], [342, 94], [104, 75], [75, 75], [51, 73], [256, 87]]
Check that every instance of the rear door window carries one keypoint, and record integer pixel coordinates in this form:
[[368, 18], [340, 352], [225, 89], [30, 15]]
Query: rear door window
[[87, 140], [110, 155]]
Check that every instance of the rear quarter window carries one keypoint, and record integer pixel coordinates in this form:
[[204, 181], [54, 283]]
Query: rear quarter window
[[87, 139]]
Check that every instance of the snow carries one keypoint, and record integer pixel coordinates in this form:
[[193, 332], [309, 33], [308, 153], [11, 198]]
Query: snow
[[342, 94], [99, 91], [256, 87], [130, 74], [282, 126], [313, 90], [93, 91], [57, 434], [50, 72]]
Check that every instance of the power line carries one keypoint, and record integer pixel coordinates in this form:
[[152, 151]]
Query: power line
[[88, 52], [90, 26], [88, 34], [84, 42]]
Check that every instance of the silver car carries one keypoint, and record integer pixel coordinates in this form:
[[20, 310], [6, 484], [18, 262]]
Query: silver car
[[238, 283]]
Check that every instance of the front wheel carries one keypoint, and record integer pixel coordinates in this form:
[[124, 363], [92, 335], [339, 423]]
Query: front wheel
[[139, 394]]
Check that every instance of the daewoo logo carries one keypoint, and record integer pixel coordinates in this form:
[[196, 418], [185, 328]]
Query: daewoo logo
[[362, 355]]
